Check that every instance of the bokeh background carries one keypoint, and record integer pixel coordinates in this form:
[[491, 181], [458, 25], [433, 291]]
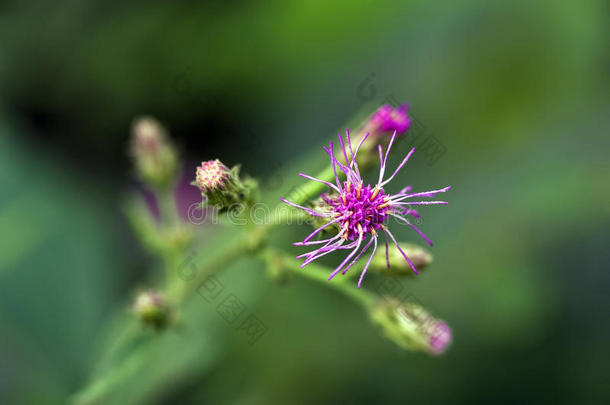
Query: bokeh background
[[516, 92]]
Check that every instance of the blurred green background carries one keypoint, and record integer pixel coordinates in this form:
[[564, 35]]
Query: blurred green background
[[516, 92]]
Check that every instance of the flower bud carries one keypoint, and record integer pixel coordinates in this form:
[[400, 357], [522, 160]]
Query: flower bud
[[152, 309], [411, 327], [222, 186], [385, 121], [154, 155], [398, 265], [389, 119]]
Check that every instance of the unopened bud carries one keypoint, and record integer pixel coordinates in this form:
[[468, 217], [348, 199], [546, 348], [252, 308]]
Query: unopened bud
[[419, 256], [389, 119], [154, 155], [213, 176], [152, 309], [222, 186], [380, 127], [411, 327]]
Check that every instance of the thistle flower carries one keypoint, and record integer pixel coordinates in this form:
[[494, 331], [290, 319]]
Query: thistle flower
[[389, 119], [222, 186], [359, 212]]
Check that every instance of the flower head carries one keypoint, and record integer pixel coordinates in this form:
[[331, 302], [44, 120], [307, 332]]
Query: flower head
[[388, 119], [212, 175], [360, 212]]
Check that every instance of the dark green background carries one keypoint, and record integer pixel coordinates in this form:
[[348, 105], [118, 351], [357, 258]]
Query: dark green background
[[516, 91]]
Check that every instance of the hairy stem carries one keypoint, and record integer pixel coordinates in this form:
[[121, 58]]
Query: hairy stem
[[319, 273], [183, 287], [167, 206]]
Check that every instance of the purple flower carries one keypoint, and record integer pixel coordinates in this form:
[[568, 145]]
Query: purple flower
[[389, 119], [360, 212]]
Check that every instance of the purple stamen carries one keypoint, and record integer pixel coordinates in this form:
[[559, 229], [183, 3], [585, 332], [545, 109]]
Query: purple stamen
[[400, 250], [308, 210], [320, 181], [414, 228]]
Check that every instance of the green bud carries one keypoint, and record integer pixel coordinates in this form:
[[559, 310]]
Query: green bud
[[410, 326], [398, 265], [154, 155], [152, 309]]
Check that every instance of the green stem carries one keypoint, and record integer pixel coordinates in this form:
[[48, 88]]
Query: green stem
[[167, 206], [181, 288], [98, 389], [319, 273], [311, 189]]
